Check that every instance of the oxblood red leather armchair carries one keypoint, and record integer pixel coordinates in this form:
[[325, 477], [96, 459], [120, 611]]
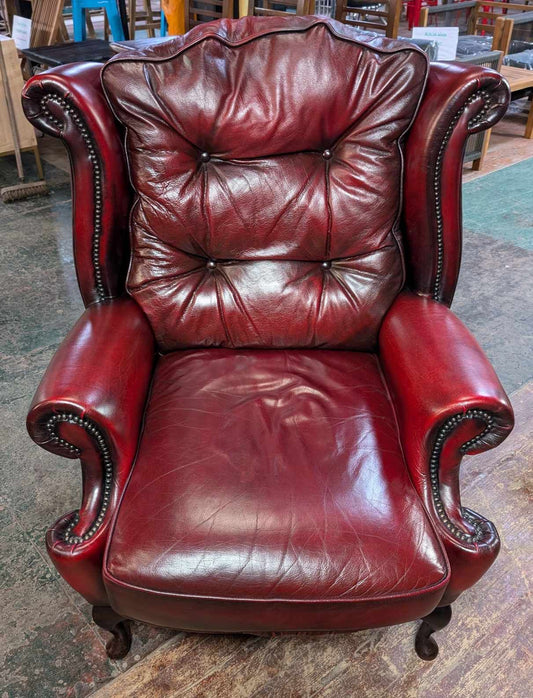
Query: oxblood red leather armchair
[[271, 405]]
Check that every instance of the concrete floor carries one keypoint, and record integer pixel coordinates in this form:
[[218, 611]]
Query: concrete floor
[[48, 645]]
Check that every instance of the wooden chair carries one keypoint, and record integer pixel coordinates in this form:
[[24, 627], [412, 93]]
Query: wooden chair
[[200, 11], [371, 16], [269, 7], [500, 29], [486, 12], [46, 22], [147, 19]]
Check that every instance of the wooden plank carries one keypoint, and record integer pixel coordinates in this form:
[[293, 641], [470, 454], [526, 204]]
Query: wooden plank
[[518, 78], [529, 125], [14, 75]]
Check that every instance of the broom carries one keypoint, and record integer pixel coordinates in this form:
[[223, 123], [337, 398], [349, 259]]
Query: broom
[[17, 191]]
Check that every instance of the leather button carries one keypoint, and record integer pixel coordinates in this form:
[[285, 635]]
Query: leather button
[[211, 264], [205, 157], [327, 154], [326, 265]]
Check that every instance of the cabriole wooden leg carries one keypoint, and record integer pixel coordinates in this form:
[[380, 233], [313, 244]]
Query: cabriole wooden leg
[[425, 645], [119, 645]]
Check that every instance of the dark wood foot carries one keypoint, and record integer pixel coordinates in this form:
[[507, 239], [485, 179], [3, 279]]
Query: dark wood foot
[[425, 645], [119, 645]]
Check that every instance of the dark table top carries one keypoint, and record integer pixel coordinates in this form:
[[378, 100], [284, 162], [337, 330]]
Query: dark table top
[[96, 50]]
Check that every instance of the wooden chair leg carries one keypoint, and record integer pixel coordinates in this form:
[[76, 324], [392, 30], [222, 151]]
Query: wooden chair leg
[[529, 125], [478, 164], [120, 644], [132, 11], [90, 26], [425, 645], [38, 163]]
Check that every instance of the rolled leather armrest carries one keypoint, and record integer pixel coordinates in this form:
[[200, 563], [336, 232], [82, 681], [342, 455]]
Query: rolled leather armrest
[[90, 405], [68, 103], [448, 402], [459, 100]]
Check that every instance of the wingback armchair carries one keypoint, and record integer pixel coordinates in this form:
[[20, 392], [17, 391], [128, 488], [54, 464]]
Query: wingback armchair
[[268, 392]]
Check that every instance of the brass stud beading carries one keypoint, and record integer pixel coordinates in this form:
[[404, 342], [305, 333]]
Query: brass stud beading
[[107, 464], [474, 121], [434, 464], [96, 164]]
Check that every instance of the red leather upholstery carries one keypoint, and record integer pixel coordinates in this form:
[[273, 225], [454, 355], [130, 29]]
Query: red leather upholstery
[[459, 100], [90, 405], [275, 481], [438, 375], [68, 102], [246, 186], [279, 485]]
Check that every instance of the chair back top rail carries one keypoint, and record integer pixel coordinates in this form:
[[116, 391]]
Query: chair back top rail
[[269, 8], [200, 11], [486, 12], [357, 13]]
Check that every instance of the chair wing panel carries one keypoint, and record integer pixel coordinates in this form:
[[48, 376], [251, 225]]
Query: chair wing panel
[[459, 100], [68, 103]]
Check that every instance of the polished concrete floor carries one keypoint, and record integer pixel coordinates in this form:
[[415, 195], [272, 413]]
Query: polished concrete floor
[[48, 645]]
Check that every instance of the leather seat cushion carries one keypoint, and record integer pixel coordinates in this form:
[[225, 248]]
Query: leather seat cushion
[[270, 494]]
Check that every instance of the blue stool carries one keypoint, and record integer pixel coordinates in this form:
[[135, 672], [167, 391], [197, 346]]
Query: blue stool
[[113, 17], [163, 31]]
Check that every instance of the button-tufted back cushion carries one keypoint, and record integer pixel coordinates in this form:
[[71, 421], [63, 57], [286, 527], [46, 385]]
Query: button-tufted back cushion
[[265, 157]]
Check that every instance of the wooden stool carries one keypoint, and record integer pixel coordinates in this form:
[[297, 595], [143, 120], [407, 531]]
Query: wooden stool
[[115, 15]]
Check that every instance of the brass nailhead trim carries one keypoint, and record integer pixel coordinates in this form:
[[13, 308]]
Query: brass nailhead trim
[[437, 179], [105, 455], [94, 158], [443, 434]]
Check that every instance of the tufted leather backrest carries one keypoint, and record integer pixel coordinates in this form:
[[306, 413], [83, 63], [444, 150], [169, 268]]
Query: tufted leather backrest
[[265, 156]]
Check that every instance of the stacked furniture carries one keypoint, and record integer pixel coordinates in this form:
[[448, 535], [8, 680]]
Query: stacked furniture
[[380, 16], [488, 25]]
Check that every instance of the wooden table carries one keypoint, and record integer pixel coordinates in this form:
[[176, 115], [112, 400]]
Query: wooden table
[[520, 80], [70, 52]]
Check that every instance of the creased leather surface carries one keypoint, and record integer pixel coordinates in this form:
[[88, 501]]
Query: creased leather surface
[[266, 147], [101, 372], [436, 370], [271, 475]]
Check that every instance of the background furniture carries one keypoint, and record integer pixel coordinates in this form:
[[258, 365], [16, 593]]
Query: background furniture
[[311, 393], [200, 11], [482, 28], [46, 22], [370, 16], [115, 11], [271, 8], [484, 15], [478, 143], [450, 14], [500, 30], [26, 132], [521, 84], [96, 50], [147, 20]]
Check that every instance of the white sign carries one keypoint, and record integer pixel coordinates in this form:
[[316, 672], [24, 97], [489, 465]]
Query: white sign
[[445, 37], [21, 32]]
